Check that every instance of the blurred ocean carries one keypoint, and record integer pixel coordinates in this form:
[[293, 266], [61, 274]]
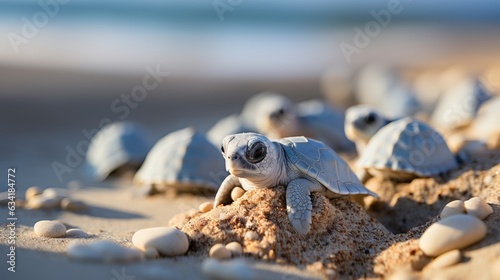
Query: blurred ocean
[[255, 40]]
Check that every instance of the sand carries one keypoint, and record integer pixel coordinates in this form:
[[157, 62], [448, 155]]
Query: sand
[[345, 241], [387, 230]]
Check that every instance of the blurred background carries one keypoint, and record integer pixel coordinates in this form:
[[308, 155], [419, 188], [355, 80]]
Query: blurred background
[[68, 66]]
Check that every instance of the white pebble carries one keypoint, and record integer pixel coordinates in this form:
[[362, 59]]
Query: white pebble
[[236, 193], [488, 179], [235, 249], [251, 235], [206, 206], [55, 192], [454, 232], [42, 202], [32, 192], [478, 208], [447, 259], [168, 241], [101, 251], [237, 269], [69, 204], [453, 208], [220, 252], [76, 233], [47, 228]]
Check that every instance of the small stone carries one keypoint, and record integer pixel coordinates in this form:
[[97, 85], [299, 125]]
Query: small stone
[[32, 192], [235, 249], [251, 235], [229, 270], [69, 204], [206, 206], [454, 232], [51, 229], [447, 259], [73, 205], [42, 202], [168, 241], [478, 208], [237, 193], [76, 233], [101, 251], [151, 254], [453, 208], [220, 252], [488, 179], [55, 192]]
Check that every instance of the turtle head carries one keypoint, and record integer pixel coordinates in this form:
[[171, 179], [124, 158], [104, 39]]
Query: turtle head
[[250, 155], [362, 122], [276, 116]]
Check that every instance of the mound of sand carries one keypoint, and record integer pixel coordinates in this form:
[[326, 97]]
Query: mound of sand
[[344, 239]]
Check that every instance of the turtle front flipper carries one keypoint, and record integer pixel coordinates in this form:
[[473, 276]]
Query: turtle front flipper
[[299, 204], [223, 195]]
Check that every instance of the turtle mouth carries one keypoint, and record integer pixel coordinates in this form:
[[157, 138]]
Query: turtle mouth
[[238, 172], [240, 168]]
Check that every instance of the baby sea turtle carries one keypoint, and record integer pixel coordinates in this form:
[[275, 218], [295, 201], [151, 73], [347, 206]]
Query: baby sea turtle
[[361, 123], [117, 148], [301, 164], [383, 88], [183, 160], [458, 106], [487, 121], [405, 149], [276, 116], [231, 124]]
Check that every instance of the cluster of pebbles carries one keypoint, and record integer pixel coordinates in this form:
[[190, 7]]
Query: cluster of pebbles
[[52, 198]]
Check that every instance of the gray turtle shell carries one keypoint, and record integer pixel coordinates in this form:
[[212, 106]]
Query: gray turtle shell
[[231, 124], [184, 160], [458, 107], [116, 145], [408, 146], [325, 124], [321, 163]]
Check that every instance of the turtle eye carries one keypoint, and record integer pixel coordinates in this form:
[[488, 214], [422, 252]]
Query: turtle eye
[[256, 152], [222, 149], [370, 118]]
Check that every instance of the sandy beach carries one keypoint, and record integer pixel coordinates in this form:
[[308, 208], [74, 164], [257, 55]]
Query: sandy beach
[[52, 102]]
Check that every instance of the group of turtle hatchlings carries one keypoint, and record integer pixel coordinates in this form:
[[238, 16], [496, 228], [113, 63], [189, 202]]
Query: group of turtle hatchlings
[[275, 141]]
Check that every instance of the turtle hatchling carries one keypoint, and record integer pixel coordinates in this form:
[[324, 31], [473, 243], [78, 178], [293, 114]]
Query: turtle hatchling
[[183, 160], [276, 116], [117, 148], [459, 105], [384, 89], [361, 123], [405, 149], [301, 164], [229, 125]]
